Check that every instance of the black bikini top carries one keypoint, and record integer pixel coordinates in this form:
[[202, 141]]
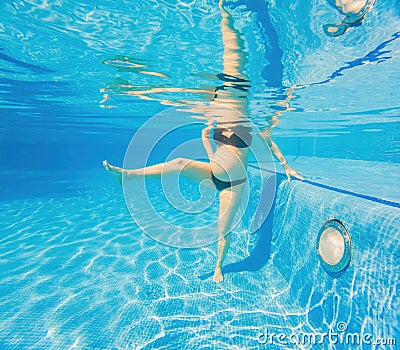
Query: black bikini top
[[240, 136]]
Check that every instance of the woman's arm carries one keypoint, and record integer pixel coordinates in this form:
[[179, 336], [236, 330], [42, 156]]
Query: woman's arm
[[205, 137], [278, 155], [273, 146]]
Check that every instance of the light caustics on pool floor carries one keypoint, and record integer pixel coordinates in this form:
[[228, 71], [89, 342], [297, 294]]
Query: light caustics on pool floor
[[78, 271]]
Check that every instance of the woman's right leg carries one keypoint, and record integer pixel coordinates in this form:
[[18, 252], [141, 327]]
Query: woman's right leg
[[191, 169], [230, 199]]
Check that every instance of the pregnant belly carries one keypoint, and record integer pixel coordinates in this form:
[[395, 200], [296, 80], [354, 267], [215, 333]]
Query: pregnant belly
[[229, 163]]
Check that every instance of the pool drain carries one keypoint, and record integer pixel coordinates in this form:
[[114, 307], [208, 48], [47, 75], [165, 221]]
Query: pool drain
[[334, 246]]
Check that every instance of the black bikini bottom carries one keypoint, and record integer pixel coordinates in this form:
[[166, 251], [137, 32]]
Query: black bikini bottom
[[222, 185]]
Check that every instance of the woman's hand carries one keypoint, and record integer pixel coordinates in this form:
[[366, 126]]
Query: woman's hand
[[291, 172]]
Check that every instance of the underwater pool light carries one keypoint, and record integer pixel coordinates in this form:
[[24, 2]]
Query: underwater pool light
[[334, 246]]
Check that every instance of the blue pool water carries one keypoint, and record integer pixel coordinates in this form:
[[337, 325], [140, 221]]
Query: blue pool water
[[79, 80]]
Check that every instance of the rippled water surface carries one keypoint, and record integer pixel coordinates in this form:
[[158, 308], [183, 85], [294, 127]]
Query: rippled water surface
[[59, 59]]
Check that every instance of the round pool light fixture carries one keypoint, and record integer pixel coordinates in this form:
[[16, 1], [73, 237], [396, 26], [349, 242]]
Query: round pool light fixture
[[334, 246]]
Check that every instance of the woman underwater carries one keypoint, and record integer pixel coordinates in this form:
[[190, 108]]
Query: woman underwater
[[227, 166]]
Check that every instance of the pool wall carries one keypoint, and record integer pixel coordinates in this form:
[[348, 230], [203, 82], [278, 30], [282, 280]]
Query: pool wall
[[364, 295]]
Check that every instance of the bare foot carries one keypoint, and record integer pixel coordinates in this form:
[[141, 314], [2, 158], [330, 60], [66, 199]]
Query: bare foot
[[117, 172], [218, 278]]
